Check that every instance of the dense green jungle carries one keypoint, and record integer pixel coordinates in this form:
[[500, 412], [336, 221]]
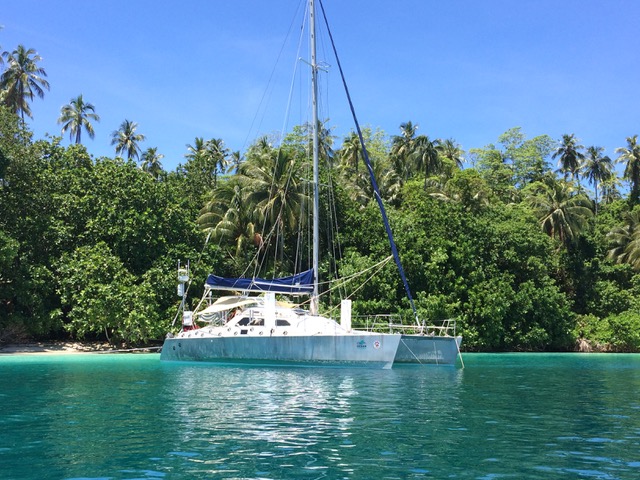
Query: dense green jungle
[[531, 244]]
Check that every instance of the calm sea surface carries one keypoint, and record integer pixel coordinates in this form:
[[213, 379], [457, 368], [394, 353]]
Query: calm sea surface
[[516, 416]]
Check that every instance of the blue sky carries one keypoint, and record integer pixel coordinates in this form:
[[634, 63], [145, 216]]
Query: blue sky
[[461, 69]]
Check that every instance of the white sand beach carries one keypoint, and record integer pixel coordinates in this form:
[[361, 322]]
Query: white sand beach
[[62, 348]]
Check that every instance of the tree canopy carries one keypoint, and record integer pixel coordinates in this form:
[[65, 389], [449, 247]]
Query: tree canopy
[[513, 251], [524, 257]]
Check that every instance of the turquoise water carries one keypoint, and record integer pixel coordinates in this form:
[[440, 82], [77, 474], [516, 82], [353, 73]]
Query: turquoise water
[[504, 416]]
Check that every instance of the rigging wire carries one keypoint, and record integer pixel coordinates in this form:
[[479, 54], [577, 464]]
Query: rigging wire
[[269, 87], [344, 280], [374, 184], [304, 214], [379, 266], [255, 261], [335, 243], [289, 171], [275, 230], [293, 77]]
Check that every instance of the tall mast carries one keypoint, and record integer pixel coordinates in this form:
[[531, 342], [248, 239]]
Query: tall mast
[[316, 194]]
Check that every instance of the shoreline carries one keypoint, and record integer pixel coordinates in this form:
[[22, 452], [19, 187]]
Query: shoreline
[[65, 348], [61, 347]]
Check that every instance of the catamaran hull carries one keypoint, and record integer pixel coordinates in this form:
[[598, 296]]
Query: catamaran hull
[[352, 350], [423, 349]]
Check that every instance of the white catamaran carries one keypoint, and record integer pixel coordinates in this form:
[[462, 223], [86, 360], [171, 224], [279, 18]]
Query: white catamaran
[[252, 326]]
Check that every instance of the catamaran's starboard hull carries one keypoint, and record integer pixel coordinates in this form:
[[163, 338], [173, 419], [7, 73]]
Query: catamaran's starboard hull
[[423, 349], [352, 350]]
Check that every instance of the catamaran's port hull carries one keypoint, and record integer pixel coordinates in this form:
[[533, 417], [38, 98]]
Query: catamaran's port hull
[[424, 349], [369, 350]]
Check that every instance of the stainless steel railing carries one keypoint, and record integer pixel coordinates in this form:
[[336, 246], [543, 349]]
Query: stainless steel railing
[[393, 324]]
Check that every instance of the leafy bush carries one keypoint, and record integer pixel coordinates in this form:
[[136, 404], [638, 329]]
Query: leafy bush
[[99, 297], [624, 331], [615, 333]]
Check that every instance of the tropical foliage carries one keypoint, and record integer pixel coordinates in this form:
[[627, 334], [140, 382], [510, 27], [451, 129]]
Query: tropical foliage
[[562, 210], [630, 157], [570, 156], [87, 246], [127, 140], [597, 169], [22, 80], [76, 116], [625, 240], [492, 236], [151, 162]]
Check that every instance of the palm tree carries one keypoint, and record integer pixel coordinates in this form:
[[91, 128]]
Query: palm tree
[[21, 79], [325, 143], [236, 161], [196, 149], [360, 188], [570, 155], [466, 187], [151, 162], [610, 189], [75, 116], [259, 149], [351, 151], [302, 138], [228, 215], [597, 168], [402, 148], [425, 155], [451, 150], [630, 155], [562, 210], [216, 154], [276, 190], [126, 139], [263, 144], [626, 241], [208, 159]]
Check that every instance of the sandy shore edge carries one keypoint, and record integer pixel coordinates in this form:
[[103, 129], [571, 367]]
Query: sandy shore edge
[[63, 348]]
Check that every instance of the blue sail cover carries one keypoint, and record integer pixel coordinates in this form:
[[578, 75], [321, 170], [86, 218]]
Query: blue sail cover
[[302, 283]]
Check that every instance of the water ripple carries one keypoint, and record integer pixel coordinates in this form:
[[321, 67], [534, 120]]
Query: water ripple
[[502, 417]]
